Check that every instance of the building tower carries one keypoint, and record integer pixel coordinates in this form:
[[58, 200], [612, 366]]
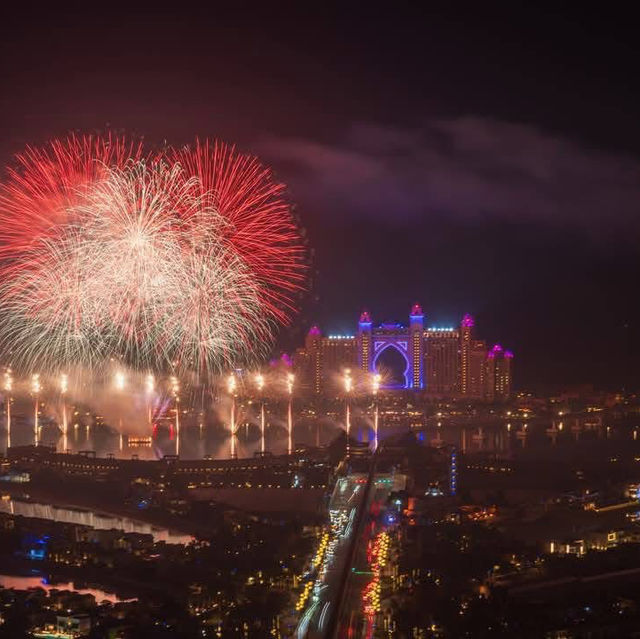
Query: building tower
[[416, 346], [441, 361], [365, 342], [313, 345], [466, 327], [498, 374], [505, 373]]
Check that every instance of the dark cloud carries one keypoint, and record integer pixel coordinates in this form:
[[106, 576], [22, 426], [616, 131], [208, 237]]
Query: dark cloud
[[462, 168]]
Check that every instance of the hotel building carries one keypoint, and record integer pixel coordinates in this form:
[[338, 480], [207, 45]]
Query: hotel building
[[446, 362]]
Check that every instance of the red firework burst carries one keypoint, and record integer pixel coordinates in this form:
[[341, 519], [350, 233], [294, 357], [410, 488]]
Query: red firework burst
[[261, 227], [48, 181], [99, 235]]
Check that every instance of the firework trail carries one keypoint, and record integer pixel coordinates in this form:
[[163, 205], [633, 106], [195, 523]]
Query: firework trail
[[107, 252]]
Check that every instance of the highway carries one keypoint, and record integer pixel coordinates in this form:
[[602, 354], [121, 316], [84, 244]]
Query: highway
[[354, 620], [335, 606], [327, 578]]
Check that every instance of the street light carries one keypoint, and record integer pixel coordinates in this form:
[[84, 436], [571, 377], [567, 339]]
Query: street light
[[64, 387], [290, 380], [119, 382], [35, 389], [231, 388], [8, 387], [375, 387], [175, 389], [348, 386], [150, 387], [259, 379]]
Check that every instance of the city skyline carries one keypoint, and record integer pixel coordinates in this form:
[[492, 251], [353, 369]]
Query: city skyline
[[319, 321]]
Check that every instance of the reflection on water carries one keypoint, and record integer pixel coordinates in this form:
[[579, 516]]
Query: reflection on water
[[25, 583], [195, 442], [100, 521]]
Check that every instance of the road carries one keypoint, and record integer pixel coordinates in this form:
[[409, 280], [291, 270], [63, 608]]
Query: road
[[328, 577], [354, 620], [335, 605]]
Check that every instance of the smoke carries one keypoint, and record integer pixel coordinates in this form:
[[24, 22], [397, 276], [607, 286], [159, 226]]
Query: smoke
[[89, 398]]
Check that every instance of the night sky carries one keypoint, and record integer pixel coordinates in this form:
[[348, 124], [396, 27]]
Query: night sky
[[483, 161]]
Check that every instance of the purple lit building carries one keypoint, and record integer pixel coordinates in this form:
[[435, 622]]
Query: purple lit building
[[439, 361]]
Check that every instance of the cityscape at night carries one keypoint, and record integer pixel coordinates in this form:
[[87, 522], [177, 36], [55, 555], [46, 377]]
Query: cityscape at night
[[319, 322]]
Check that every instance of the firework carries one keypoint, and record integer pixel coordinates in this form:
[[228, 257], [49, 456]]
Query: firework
[[106, 252], [260, 228], [47, 181]]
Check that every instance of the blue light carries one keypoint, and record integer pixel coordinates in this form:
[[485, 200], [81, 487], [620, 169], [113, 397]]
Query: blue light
[[453, 478]]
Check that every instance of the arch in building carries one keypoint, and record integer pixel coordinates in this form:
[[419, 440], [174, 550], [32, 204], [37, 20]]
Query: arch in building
[[399, 347]]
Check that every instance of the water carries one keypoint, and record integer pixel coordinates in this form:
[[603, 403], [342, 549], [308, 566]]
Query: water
[[199, 441], [97, 520], [194, 442], [25, 583]]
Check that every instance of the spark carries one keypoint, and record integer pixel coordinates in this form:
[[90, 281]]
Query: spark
[[181, 259]]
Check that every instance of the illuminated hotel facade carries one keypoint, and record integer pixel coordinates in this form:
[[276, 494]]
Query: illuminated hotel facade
[[446, 362]]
